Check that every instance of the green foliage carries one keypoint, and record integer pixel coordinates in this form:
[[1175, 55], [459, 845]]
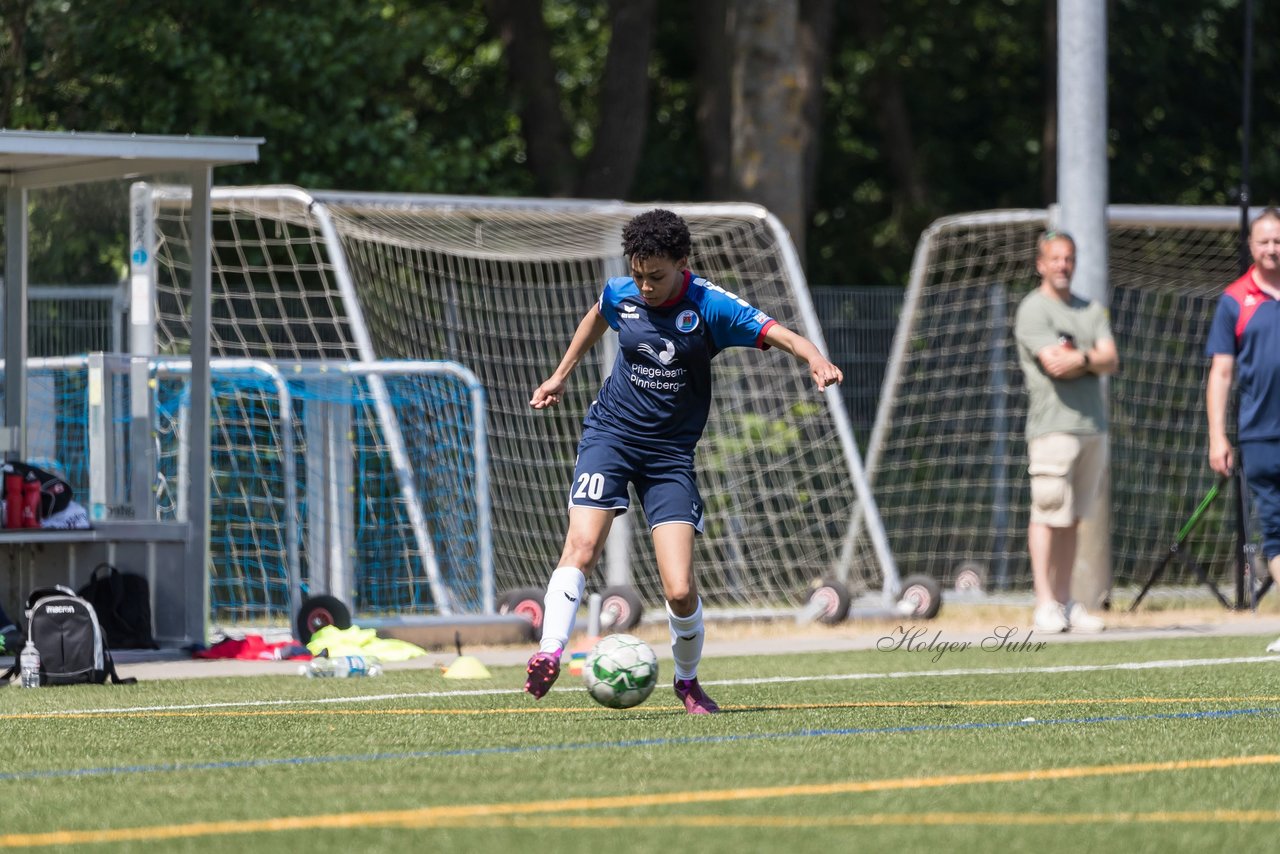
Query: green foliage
[[411, 95], [348, 93], [76, 234], [971, 74]]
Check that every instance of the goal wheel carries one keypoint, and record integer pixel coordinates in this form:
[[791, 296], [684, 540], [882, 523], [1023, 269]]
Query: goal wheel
[[970, 577], [921, 597], [320, 611], [828, 601], [527, 602], [620, 608]]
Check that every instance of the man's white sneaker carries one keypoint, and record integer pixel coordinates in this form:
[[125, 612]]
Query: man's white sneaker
[[1080, 620], [1274, 646], [1051, 618]]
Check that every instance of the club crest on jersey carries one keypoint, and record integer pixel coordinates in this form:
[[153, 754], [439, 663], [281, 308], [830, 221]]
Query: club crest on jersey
[[664, 357], [686, 321]]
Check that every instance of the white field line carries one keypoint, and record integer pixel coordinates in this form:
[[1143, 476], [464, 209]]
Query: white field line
[[844, 677]]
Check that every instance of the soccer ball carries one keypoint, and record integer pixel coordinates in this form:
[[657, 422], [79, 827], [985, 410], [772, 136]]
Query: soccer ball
[[621, 671]]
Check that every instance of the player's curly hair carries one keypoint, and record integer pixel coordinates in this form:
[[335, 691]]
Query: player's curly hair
[[656, 234]]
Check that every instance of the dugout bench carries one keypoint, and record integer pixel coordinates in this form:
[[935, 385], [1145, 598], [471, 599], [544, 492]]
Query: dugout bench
[[118, 409], [31, 558]]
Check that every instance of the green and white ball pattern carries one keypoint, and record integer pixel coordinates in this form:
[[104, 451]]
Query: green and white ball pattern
[[621, 671]]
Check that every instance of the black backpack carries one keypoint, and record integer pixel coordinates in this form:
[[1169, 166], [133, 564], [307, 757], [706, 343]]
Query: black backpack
[[72, 648], [122, 601]]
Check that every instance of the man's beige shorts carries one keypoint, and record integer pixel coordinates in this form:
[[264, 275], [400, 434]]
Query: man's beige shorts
[[1066, 471]]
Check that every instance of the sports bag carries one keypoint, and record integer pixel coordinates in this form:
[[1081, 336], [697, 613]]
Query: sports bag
[[55, 493], [65, 630], [122, 601]]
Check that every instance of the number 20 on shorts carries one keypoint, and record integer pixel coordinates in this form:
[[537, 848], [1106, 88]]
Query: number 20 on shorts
[[589, 486]]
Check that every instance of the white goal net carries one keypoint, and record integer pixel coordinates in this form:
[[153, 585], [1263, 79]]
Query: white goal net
[[947, 455], [499, 286]]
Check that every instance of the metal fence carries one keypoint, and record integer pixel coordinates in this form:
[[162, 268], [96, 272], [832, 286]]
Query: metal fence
[[859, 325], [70, 320]]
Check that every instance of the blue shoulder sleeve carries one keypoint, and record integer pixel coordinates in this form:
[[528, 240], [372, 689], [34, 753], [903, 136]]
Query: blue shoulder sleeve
[[609, 299], [1222, 334], [731, 320]]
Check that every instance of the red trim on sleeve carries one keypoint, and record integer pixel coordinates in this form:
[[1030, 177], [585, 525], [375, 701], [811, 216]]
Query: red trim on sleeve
[[763, 330]]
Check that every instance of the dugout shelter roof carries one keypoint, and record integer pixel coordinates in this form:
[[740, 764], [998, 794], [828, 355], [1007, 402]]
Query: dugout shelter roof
[[33, 159]]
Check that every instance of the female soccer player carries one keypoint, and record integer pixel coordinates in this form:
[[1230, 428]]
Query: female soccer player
[[642, 429]]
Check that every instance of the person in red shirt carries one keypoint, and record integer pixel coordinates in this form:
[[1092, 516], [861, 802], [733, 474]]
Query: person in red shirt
[[1244, 342]]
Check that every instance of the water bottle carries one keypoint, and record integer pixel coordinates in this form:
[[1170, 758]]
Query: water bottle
[[31, 502], [341, 667], [29, 663], [12, 500]]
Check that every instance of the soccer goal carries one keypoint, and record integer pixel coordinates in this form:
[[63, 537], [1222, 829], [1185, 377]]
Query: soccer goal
[[498, 286], [947, 454]]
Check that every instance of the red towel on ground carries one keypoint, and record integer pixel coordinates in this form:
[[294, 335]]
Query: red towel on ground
[[254, 648]]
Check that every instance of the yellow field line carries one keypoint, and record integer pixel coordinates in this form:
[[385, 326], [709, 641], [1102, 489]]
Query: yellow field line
[[486, 813], [534, 710], [936, 819]]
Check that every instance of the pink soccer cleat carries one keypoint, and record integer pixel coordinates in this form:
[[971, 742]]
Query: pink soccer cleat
[[543, 670], [696, 701]]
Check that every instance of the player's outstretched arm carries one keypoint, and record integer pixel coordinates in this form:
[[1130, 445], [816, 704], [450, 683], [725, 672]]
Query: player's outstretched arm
[[822, 370], [590, 330]]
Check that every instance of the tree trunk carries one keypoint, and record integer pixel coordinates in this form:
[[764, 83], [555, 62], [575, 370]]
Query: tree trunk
[[767, 130], [1049, 136], [13, 62], [624, 102], [527, 47], [817, 20], [713, 79], [890, 107]]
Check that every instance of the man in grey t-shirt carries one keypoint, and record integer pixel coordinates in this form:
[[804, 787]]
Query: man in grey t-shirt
[[1064, 346]]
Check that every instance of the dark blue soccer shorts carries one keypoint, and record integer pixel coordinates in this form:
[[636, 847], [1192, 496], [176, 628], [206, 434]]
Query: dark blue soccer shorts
[[664, 479], [1261, 461]]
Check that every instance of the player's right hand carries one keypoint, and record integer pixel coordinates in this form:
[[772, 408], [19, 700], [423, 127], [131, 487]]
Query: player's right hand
[[1221, 459], [547, 394]]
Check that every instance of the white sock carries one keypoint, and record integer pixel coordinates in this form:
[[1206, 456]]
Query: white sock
[[560, 607], [686, 641]]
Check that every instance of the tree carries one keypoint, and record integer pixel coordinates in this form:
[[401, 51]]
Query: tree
[[759, 93], [901, 110], [768, 136], [622, 107], [13, 51]]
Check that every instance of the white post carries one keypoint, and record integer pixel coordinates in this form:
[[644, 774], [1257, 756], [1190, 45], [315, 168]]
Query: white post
[[617, 548], [142, 271], [15, 323], [196, 605], [1082, 197]]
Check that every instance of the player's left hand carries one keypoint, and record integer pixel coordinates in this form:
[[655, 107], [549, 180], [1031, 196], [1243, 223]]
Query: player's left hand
[[547, 394], [824, 373]]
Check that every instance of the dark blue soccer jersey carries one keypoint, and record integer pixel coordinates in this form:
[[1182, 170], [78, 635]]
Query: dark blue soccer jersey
[[659, 390], [1246, 326]]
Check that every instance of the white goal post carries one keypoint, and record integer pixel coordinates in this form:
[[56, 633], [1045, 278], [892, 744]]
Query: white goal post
[[947, 455], [498, 286]]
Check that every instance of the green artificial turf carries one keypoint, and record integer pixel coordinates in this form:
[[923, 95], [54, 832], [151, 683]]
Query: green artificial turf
[[927, 759]]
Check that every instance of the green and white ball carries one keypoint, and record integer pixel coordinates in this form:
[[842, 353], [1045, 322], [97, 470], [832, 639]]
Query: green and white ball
[[621, 671]]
